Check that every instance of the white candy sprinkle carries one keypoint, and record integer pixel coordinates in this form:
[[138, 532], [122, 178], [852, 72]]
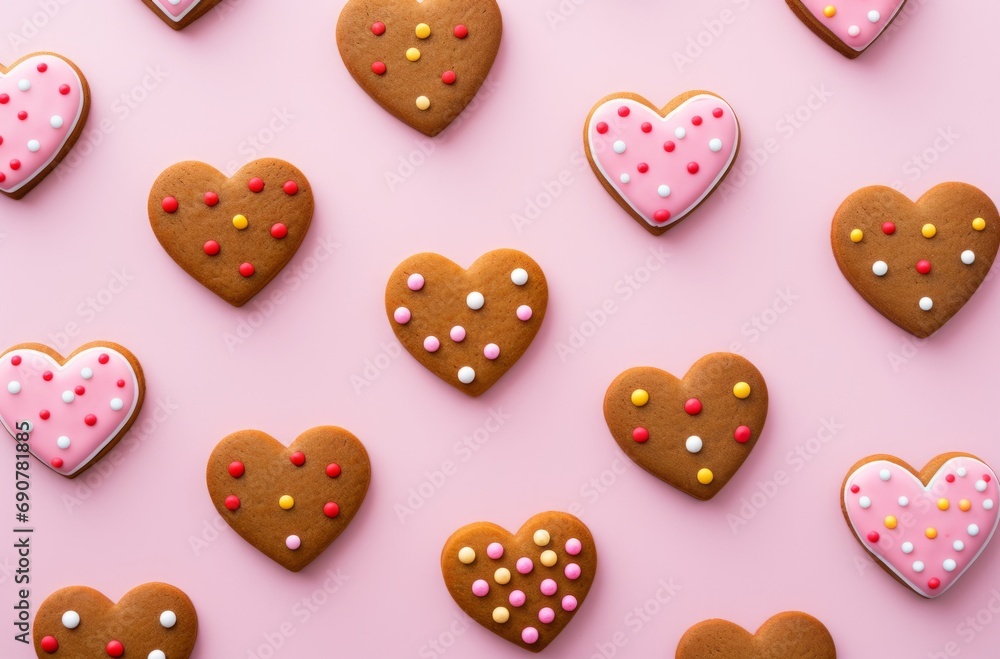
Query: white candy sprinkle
[[907, 547], [71, 620], [980, 486], [86, 373], [949, 565], [988, 504], [715, 145], [34, 146], [466, 375], [680, 133], [874, 16], [958, 545], [663, 191], [63, 442], [168, 619], [624, 178], [618, 146], [693, 444], [475, 300], [865, 502], [56, 121], [973, 530], [14, 387], [884, 474], [926, 303], [117, 404], [519, 276], [24, 84], [904, 502], [962, 472], [918, 566], [68, 396], [968, 257], [854, 31]]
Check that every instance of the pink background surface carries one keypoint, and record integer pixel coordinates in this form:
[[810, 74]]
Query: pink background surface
[[272, 70]]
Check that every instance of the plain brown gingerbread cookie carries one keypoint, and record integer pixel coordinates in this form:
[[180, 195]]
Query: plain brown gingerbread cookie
[[152, 621], [423, 62], [788, 635], [693, 433], [916, 263], [290, 502], [233, 235], [527, 586], [198, 8]]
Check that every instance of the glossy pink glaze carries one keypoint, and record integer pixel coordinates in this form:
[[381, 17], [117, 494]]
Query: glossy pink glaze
[[176, 9], [855, 14]]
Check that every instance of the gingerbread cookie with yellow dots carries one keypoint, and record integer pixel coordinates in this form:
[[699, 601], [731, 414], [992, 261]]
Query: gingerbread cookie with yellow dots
[[524, 587], [916, 263], [423, 62], [694, 432]]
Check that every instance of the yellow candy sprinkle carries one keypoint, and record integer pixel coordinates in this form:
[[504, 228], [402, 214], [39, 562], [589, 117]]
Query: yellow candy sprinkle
[[423, 102], [979, 224], [240, 222], [640, 397], [549, 558], [412, 54], [423, 31], [541, 537], [501, 615], [286, 502], [857, 235], [890, 522], [943, 504], [502, 576], [928, 230], [741, 390], [466, 555], [705, 476], [830, 11], [931, 533], [965, 505]]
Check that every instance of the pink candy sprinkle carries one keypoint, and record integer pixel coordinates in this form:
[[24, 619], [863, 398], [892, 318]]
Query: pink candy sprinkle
[[573, 546], [293, 542], [524, 565], [495, 550], [491, 351], [546, 615], [529, 635], [517, 598], [402, 315], [415, 282], [549, 587], [480, 588], [431, 344], [524, 312], [569, 603], [457, 334], [572, 571]]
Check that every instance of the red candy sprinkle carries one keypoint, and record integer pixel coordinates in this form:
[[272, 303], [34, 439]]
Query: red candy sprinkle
[[4, 99], [661, 216], [602, 127], [232, 502], [696, 120], [646, 127], [236, 469], [717, 112], [290, 187], [121, 384], [115, 649], [331, 510], [57, 463], [255, 184], [64, 90], [22, 115], [103, 359], [888, 228], [692, 406], [669, 146], [640, 434], [333, 470], [15, 164], [90, 420], [742, 435], [986, 477], [1, 140], [950, 478], [461, 31], [3, 177], [169, 204], [49, 644], [449, 77], [44, 415], [623, 111], [80, 390], [855, 489], [211, 198], [693, 168], [923, 266], [378, 29], [298, 458], [279, 231], [47, 376], [247, 270], [211, 248], [642, 167], [16, 360], [378, 68], [873, 537], [43, 67], [934, 583]]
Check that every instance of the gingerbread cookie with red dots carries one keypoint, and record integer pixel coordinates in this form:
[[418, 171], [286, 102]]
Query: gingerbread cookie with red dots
[[848, 26], [524, 587], [468, 327], [660, 164], [695, 432], [916, 263], [927, 527], [788, 635], [233, 235], [152, 621], [290, 502], [178, 14], [44, 102], [69, 411], [423, 62]]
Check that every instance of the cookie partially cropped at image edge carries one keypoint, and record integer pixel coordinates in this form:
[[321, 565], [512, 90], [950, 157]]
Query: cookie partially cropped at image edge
[[70, 411], [693, 433], [850, 27], [178, 14], [289, 502], [423, 62], [524, 587], [152, 621], [917, 263], [44, 102], [468, 327], [235, 234], [788, 635], [927, 527], [660, 164]]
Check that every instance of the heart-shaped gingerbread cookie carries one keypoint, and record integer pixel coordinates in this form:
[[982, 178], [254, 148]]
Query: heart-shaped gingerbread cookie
[[848, 26], [44, 102], [290, 502], [925, 528], [788, 635], [524, 587], [152, 621], [916, 263], [693, 433], [178, 14], [422, 60], [467, 326], [661, 164], [233, 235], [76, 407]]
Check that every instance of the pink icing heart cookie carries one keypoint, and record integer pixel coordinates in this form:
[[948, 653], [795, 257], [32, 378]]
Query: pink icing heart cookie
[[73, 409], [925, 528], [661, 164], [178, 14], [44, 101], [849, 26]]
